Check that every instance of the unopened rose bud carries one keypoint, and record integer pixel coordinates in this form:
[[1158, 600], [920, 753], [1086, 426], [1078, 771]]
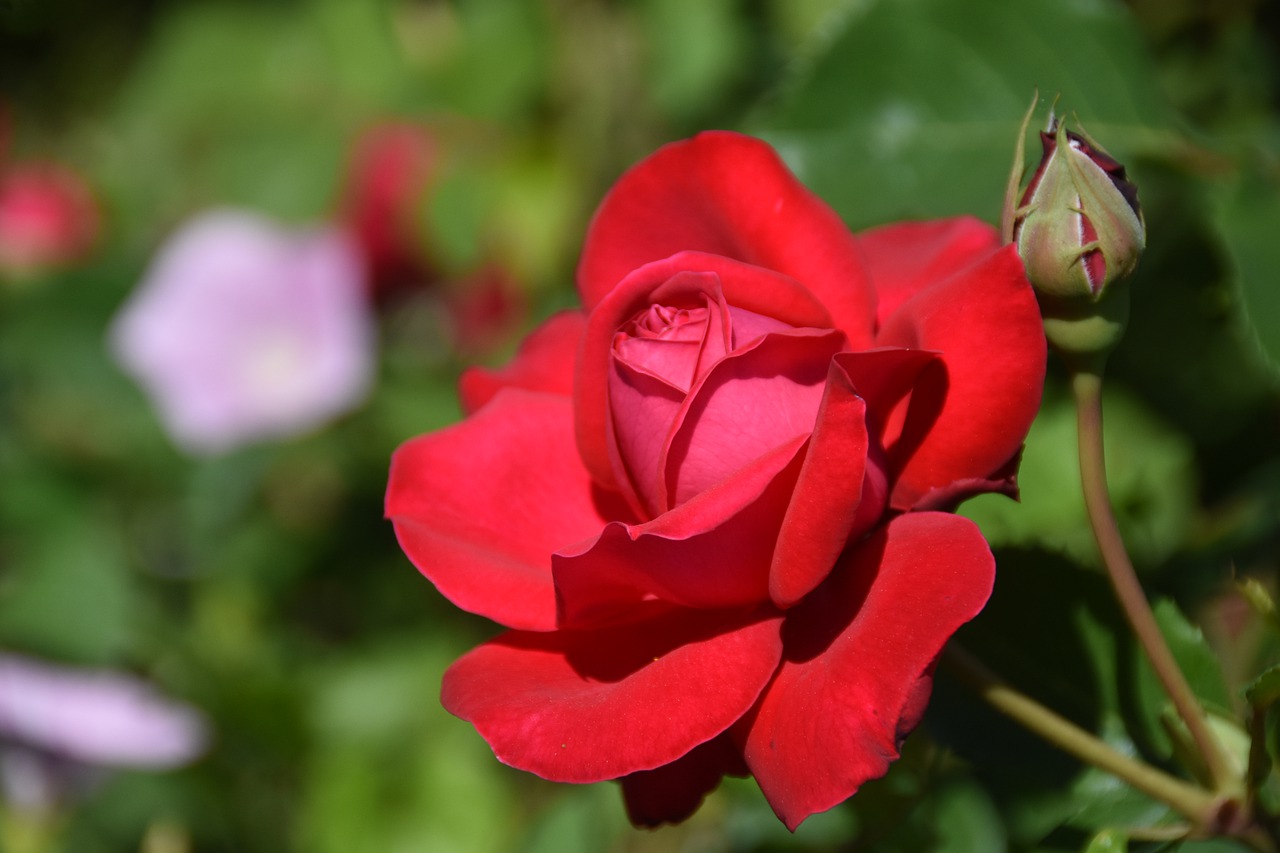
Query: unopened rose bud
[[1079, 228], [1080, 231]]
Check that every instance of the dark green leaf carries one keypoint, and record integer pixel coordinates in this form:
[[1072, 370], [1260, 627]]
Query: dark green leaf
[[1248, 221], [1265, 689], [1203, 672], [1053, 632], [912, 108], [71, 594], [1150, 472]]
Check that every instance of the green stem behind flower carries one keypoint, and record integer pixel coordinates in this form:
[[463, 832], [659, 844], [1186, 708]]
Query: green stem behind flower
[[1087, 388], [1210, 813], [1197, 805]]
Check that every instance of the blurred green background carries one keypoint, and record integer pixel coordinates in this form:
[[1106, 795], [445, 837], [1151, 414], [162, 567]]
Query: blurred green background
[[264, 587]]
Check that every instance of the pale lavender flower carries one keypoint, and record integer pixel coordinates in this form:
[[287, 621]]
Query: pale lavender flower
[[243, 330], [59, 724]]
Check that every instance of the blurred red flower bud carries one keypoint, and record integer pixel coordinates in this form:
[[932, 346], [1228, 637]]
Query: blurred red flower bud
[[48, 218], [391, 166]]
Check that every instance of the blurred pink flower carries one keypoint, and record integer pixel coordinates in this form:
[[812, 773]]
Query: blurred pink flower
[[48, 218], [243, 330], [57, 722]]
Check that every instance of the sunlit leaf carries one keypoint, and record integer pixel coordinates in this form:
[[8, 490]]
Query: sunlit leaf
[[912, 107], [1108, 841]]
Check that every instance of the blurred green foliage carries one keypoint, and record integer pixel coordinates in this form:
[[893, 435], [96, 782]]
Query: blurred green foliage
[[264, 586]]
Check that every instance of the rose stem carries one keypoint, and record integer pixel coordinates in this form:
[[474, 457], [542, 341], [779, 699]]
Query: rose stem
[[1086, 385], [1195, 804]]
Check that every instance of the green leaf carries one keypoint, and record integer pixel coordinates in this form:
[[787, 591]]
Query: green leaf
[[583, 819], [1108, 841], [913, 106], [1248, 221], [266, 131], [71, 595], [1203, 671], [1150, 472], [1265, 689], [481, 58], [392, 770], [966, 819], [696, 50], [1052, 631]]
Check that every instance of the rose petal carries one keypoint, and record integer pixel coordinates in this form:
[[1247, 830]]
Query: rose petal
[[480, 507], [671, 351], [650, 378], [710, 552], [906, 257], [673, 792], [727, 194], [856, 650], [837, 494], [544, 362], [643, 410], [755, 399], [585, 706], [904, 390], [686, 280], [987, 401]]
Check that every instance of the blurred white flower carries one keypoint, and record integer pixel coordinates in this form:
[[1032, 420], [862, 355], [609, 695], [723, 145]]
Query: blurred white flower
[[243, 330], [59, 723]]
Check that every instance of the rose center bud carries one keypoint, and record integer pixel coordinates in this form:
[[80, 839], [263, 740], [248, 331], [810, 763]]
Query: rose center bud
[[698, 391], [665, 342]]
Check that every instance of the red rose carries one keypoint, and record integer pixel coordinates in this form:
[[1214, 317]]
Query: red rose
[[707, 503]]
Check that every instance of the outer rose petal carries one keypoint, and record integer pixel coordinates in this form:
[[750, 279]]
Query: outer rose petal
[[480, 507], [906, 257], [585, 706], [856, 651], [988, 402], [727, 194], [673, 792], [544, 362]]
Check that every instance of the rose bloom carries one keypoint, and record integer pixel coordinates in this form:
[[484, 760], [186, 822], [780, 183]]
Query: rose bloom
[[711, 505], [243, 330]]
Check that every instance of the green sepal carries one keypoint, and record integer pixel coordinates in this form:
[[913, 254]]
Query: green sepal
[[1082, 331]]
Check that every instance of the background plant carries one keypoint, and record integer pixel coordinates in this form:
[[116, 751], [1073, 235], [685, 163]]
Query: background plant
[[263, 587]]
